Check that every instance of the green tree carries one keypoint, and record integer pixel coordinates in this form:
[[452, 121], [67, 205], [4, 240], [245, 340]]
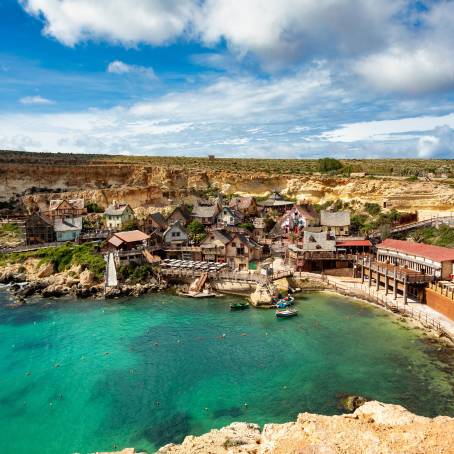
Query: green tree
[[328, 165], [372, 208]]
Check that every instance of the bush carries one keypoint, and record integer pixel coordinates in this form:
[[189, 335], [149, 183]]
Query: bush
[[93, 207], [63, 257], [328, 164], [372, 208], [247, 225]]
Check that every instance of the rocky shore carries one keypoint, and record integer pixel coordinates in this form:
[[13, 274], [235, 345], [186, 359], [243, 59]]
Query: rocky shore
[[29, 279], [374, 428]]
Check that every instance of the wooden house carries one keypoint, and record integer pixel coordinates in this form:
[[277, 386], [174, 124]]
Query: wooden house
[[39, 229], [335, 222], [228, 217], [242, 251], [175, 235], [181, 214], [66, 208], [206, 213], [214, 246], [247, 206], [118, 215], [68, 228], [154, 221]]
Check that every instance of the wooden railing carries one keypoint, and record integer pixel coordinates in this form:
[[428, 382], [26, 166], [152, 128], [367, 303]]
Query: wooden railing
[[407, 275]]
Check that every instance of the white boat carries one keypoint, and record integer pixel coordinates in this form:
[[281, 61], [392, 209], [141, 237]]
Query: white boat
[[286, 313]]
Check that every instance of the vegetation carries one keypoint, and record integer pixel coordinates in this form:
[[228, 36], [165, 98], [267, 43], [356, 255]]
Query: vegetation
[[93, 207], [328, 165], [442, 236], [63, 257], [131, 225], [372, 208], [196, 231], [10, 234], [396, 167], [135, 273], [247, 225]]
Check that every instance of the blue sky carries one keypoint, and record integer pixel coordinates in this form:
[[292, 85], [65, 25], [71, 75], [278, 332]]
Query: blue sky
[[237, 78]]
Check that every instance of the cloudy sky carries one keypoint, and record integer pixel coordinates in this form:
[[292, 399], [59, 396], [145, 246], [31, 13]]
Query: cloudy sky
[[237, 78]]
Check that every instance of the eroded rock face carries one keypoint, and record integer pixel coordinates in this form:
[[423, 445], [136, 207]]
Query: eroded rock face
[[374, 428]]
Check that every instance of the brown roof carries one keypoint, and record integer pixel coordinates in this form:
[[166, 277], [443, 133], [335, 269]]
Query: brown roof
[[132, 236], [115, 241], [435, 253]]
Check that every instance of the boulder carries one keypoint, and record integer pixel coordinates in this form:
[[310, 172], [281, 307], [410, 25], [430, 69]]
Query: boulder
[[87, 278], [261, 296], [46, 270]]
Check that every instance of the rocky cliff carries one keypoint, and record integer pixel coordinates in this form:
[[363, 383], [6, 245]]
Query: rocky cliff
[[144, 185], [374, 428]]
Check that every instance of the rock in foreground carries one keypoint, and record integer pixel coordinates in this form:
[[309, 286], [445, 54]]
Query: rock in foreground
[[374, 428]]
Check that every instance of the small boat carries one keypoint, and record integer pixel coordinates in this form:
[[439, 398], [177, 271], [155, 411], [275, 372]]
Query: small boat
[[286, 313], [239, 306]]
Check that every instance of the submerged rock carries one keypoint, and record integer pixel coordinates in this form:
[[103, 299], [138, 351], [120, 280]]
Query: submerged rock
[[350, 402]]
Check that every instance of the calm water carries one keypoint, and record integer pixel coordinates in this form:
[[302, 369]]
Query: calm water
[[85, 376]]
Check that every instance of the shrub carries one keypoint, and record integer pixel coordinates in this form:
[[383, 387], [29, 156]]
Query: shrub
[[372, 208], [93, 207], [328, 165]]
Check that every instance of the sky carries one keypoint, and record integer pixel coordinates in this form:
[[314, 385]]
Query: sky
[[234, 78]]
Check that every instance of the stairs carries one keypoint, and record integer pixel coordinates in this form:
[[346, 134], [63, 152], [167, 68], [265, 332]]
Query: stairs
[[148, 256], [111, 272], [198, 285]]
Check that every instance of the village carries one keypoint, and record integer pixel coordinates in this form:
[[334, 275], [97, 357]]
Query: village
[[258, 248]]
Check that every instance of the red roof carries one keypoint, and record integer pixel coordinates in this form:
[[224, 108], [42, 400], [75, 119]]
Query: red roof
[[346, 243], [435, 253]]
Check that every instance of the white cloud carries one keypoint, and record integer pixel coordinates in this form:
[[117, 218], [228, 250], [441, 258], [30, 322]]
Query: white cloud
[[37, 100], [119, 67], [385, 129], [377, 40], [440, 144], [72, 21]]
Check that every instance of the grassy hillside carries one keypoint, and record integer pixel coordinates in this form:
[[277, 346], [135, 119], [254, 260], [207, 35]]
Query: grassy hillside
[[396, 167]]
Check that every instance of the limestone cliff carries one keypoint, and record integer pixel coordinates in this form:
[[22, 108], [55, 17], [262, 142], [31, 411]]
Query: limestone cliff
[[144, 185], [374, 428]]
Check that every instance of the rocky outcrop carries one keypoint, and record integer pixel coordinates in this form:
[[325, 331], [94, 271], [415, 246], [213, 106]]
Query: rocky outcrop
[[374, 428], [102, 180]]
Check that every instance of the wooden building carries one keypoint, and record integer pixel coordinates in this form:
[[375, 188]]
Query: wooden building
[[335, 222], [181, 214], [39, 229], [66, 208], [118, 215], [247, 206]]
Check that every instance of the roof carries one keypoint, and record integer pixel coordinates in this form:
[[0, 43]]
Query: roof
[[176, 224], [428, 251], [115, 241], [183, 209], [241, 203], [132, 236], [347, 243], [68, 224], [158, 219], [219, 235], [247, 241], [335, 218], [75, 203], [116, 209], [205, 211], [318, 241]]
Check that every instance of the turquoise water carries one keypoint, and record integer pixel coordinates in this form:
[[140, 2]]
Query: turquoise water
[[93, 375]]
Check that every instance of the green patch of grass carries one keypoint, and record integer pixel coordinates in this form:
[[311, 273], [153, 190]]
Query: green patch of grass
[[63, 257], [442, 236]]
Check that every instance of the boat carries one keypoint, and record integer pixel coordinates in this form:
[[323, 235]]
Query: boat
[[239, 306], [286, 313], [284, 302]]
